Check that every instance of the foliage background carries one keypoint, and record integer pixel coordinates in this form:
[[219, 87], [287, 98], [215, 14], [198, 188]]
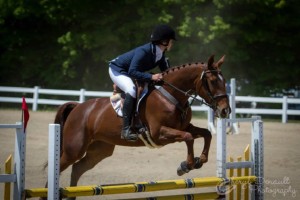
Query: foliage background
[[66, 44]]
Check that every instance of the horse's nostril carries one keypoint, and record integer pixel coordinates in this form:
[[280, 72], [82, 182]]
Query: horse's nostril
[[225, 112]]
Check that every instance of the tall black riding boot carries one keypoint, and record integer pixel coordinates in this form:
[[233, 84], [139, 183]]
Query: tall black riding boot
[[128, 106]]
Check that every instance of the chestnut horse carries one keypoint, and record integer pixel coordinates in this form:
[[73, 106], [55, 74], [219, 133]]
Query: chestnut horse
[[90, 130]]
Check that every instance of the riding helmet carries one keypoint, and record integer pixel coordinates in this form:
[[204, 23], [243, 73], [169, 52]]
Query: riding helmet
[[162, 32]]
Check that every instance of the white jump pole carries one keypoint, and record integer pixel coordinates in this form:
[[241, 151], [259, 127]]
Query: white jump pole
[[18, 178], [53, 161], [257, 154], [19, 167], [233, 125], [210, 121]]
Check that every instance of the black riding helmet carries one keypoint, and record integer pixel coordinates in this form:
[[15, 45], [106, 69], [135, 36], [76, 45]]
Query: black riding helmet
[[162, 33]]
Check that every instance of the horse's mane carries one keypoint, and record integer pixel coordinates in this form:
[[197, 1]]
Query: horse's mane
[[180, 67]]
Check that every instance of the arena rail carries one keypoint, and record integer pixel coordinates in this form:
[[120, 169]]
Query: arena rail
[[223, 182], [82, 94]]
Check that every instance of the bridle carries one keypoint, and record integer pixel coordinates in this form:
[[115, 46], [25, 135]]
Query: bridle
[[193, 96], [209, 93]]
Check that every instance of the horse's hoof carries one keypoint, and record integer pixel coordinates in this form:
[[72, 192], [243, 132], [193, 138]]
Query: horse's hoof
[[182, 169], [198, 163]]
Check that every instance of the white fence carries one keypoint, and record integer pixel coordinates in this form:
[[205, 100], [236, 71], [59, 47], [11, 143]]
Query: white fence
[[82, 94]]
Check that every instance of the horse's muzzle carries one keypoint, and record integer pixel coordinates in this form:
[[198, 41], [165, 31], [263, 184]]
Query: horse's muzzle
[[223, 112]]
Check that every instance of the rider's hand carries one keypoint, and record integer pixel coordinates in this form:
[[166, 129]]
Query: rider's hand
[[157, 77]]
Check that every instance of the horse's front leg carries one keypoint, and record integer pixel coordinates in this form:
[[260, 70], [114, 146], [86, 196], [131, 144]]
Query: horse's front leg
[[206, 134], [190, 162], [170, 135]]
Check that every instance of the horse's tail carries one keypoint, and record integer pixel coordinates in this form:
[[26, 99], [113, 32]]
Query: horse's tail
[[60, 118]]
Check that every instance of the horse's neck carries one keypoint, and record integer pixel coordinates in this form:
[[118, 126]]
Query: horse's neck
[[183, 78]]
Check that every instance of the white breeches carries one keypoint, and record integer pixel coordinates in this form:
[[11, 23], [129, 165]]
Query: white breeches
[[123, 81]]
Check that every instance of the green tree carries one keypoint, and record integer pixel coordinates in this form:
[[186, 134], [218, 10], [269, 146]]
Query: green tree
[[258, 37], [262, 43], [67, 44]]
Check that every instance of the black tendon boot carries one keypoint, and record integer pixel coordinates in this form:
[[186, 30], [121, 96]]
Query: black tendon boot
[[128, 106]]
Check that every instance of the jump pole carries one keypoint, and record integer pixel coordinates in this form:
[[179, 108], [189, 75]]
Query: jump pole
[[233, 124], [52, 192], [7, 170], [53, 161], [139, 187]]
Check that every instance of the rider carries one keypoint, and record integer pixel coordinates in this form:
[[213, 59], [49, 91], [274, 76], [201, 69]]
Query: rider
[[134, 64]]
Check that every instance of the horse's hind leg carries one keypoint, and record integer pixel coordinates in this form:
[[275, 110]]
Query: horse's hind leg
[[96, 152], [65, 161]]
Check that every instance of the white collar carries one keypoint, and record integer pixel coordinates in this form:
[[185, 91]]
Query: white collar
[[159, 53]]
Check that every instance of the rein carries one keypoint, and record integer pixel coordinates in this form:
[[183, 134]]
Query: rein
[[187, 93], [194, 96]]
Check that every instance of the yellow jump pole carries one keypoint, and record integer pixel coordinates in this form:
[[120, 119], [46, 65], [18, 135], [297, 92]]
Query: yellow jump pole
[[7, 169], [150, 186], [239, 185], [139, 187], [246, 172], [36, 192], [231, 174], [209, 195]]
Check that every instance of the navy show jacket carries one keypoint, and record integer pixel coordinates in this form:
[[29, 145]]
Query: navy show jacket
[[137, 61]]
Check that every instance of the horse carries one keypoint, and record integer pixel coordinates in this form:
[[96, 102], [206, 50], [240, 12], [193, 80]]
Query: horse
[[88, 135]]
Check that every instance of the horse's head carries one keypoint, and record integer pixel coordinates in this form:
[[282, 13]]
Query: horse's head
[[212, 88]]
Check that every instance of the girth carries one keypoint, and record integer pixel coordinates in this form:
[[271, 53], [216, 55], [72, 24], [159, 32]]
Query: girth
[[174, 101]]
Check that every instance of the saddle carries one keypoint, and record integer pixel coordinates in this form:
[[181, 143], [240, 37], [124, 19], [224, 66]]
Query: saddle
[[118, 97], [117, 100]]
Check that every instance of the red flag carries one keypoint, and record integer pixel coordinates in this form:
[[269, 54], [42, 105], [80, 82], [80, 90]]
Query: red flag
[[25, 114]]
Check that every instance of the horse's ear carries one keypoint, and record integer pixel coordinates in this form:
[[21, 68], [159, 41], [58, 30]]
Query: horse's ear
[[220, 62], [210, 62]]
